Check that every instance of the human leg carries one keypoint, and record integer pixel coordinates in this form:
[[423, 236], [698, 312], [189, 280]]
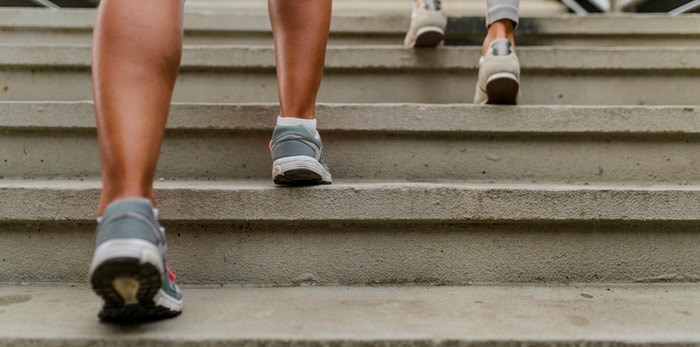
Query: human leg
[[136, 55], [499, 67], [300, 30], [501, 20]]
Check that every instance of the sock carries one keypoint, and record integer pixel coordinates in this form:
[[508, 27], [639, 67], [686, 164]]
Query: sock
[[291, 121]]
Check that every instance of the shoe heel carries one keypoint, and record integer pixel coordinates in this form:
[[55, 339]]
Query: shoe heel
[[127, 288], [299, 171], [430, 36], [502, 89], [126, 271], [142, 251], [126, 281]]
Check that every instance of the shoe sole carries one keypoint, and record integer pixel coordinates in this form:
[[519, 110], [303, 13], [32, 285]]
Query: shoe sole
[[502, 89], [299, 171], [129, 282], [429, 37]]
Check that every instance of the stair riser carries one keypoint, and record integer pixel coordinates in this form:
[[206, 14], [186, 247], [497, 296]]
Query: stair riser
[[543, 88], [372, 233], [292, 253], [381, 74], [75, 26], [378, 155], [36, 37], [404, 141]]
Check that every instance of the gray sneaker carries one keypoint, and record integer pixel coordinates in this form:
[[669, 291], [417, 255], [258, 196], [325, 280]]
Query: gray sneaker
[[499, 75], [297, 157], [129, 269], [428, 24]]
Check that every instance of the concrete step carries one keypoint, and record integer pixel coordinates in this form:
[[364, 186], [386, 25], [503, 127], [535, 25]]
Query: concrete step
[[574, 144], [589, 315], [368, 233], [75, 27], [586, 31], [599, 76], [368, 7]]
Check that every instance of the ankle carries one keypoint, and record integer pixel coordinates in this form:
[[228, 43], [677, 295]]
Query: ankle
[[502, 29], [301, 110], [111, 193], [305, 115], [293, 121]]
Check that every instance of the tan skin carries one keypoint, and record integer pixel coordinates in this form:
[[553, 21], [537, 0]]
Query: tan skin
[[136, 56], [502, 29], [300, 30]]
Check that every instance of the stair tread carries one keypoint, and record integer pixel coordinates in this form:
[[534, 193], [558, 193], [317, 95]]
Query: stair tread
[[374, 6], [636, 24], [591, 314], [387, 117], [369, 202], [389, 57]]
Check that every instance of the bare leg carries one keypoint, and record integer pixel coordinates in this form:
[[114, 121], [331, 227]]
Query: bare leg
[[501, 20], [502, 29], [300, 29], [499, 67], [136, 55]]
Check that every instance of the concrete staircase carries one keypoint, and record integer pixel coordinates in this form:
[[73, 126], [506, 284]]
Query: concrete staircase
[[455, 8], [570, 220]]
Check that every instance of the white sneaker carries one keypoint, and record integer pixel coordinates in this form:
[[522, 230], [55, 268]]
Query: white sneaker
[[428, 24], [499, 75]]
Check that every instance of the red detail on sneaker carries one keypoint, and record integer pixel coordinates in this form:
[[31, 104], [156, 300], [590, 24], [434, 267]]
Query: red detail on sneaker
[[171, 275], [269, 145]]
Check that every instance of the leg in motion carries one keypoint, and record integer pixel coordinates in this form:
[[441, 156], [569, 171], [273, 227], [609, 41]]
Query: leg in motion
[[428, 23], [300, 30], [499, 67], [136, 55]]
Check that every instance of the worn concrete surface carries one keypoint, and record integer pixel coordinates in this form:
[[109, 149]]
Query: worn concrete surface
[[434, 156], [468, 7], [380, 74], [290, 253], [350, 233], [373, 202], [646, 145], [622, 24], [401, 118], [586, 31], [681, 59], [655, 88], [589, 315], [26, 26], [395, 86]]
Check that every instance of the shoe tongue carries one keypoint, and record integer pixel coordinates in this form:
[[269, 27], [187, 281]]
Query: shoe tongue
[[142, 206]]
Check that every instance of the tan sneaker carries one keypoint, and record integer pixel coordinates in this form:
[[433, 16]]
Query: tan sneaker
[[428, 24], [499, 75]]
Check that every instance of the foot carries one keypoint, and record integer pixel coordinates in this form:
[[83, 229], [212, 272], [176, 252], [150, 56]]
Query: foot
[[428, 24], [129, 266], [297, 157], [499, 75]]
